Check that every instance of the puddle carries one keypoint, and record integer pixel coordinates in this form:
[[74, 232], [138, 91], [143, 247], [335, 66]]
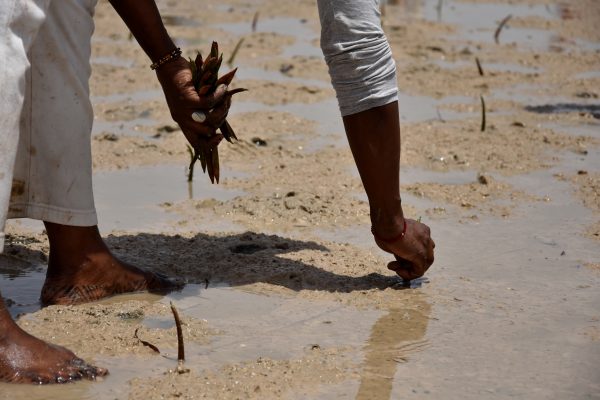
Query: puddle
[[419, 175], [132, 127], [413, 109], [581, 129], [133, 97], [252, 326], [299, 29], [535, 99], [504, 281], [477, 22], [20, 284], [130, 199], [275, 327], [588, 75], [518, 283], [559, 108], [276, 76], [512, 68], [493, 67]]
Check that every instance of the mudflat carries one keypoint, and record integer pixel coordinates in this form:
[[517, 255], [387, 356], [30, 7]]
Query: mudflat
[[288, 296]]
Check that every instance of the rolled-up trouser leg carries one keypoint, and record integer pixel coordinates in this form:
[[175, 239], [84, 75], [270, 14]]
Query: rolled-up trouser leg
[[53, 170], [20, 21], [362, 70]]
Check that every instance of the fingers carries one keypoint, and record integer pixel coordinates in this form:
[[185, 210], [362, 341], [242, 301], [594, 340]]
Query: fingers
[[414, 252], [217, 116], [429, 257], [210, 100], [405, 270], [214, 119]]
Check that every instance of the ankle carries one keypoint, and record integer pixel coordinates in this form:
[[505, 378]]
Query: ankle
[[72, 237], [71, 246]]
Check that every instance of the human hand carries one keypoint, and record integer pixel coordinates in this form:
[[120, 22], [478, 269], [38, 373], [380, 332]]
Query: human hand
[[183, 100], [413, 252]]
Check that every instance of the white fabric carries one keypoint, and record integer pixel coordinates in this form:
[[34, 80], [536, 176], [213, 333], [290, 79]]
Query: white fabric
[[51, 179], [362, 70]]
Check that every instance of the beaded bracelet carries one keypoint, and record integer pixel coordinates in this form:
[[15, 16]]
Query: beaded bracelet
[[165, 59]]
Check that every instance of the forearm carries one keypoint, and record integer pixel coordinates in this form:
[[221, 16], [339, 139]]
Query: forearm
[[374, 137], [143, 20]]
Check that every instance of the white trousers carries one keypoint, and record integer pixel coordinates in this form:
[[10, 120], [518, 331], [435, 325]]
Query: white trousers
[[362, 70], [45, 111]]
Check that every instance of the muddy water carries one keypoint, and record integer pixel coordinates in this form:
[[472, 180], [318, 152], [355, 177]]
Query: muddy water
[[253, 326], [513, 301], [478, 22], [131, 199]]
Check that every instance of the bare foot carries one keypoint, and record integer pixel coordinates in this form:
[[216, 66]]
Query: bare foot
[[26, 359], [82, 269], [99, 277]]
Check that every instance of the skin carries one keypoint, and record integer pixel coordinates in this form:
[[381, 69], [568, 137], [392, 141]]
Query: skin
[[26, 359], [81, 268], [374, 138]]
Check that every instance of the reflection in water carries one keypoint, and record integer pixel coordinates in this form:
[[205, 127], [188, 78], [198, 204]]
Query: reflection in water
[[393, 337]]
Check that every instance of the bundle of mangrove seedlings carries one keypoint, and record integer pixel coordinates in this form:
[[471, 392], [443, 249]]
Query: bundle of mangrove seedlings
[[206, 80]]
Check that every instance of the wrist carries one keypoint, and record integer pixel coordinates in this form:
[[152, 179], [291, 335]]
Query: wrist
[[173, 55], [391, 235], [389, 230], [388, 220]]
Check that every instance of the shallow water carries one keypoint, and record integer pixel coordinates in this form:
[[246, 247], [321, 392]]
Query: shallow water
[[254, 326], [130, 199], [518, 299], [516, 312], [303, 33], [477, 22], [494, 67]]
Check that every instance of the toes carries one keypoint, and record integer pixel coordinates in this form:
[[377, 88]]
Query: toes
[[80, 369], [66, 377]]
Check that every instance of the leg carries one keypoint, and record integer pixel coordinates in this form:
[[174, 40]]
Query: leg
[[54, 164], [19, 23], [23, 358]]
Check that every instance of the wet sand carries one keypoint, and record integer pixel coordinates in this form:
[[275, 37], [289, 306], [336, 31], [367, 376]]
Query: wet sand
[[288, 297]]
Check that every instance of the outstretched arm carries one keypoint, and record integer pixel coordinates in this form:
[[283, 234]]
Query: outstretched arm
[[374, 137], [363, 74], [143, 20]]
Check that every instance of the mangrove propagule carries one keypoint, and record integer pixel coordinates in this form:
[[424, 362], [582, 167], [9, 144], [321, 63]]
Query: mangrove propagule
[[205, 75]]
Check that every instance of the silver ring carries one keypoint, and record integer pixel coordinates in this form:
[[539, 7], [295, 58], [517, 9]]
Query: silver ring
[[199, 116]]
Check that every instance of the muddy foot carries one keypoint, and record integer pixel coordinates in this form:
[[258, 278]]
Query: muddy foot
[[26, 359], [99, 277]]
